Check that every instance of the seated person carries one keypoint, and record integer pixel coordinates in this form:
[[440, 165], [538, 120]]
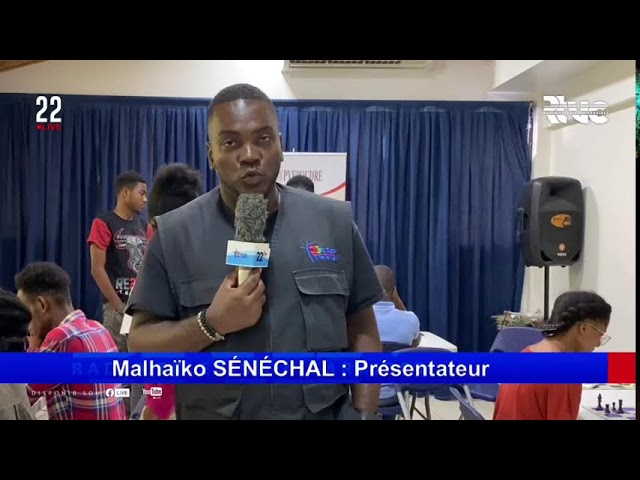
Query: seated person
[[33, 341], [44, 288], [301, 182], [394, 325], [175, 185], [14, 321], [578, 323]]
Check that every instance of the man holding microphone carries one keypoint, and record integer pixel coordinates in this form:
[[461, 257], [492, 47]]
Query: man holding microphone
[[315, 295]]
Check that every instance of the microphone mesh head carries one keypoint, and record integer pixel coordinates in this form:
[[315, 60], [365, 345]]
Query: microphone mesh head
[[251, 218]]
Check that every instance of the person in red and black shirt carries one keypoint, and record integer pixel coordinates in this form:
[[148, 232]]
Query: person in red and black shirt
[[44, 288], [117, 243]]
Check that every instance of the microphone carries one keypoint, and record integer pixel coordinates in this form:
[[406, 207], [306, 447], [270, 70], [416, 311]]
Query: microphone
[[248, 250]]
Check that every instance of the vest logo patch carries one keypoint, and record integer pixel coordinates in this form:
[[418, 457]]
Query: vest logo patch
[[317, 253]]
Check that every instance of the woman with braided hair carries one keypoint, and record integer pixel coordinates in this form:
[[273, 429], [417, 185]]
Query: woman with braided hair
[[578, 323]]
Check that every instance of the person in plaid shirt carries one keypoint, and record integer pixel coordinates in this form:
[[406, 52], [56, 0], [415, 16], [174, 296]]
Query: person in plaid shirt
[[44, 288]]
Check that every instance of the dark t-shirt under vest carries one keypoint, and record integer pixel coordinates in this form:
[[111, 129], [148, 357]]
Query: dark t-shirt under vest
[[125, 242], [319, 276]]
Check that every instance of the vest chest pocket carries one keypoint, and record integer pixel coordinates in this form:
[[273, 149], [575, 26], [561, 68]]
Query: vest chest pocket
[[204, 401], [324, 295]]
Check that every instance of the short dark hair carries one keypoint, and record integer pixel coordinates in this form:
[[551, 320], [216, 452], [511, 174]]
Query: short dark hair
[[574, 307], [14, 321], [302, 182], [239, 91], [128, 180], [175, 185], [45, 278]]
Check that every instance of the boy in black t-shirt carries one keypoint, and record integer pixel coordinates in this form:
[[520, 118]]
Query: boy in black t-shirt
[[117, 242]]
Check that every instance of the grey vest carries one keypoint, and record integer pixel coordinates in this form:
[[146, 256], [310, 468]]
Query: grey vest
[[307, 299]]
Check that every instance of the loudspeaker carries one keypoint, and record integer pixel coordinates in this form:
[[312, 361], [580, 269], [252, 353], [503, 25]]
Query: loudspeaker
[[552, 222]]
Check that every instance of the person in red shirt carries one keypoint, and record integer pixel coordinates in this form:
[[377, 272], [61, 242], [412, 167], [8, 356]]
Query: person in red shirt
[[578, 323], [117, 242], [174, 185], [44, 288]]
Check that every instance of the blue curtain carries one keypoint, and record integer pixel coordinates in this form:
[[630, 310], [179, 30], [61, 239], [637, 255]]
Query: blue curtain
[[434, 188], [52, 184]]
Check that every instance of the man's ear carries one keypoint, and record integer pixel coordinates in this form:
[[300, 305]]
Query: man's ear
[[42, 304], [210, 156], [281, 146]]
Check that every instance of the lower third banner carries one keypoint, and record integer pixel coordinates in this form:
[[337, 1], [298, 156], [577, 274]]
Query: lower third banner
[[299, 368]]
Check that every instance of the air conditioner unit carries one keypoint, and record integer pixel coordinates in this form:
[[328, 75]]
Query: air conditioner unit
[[298, 64]]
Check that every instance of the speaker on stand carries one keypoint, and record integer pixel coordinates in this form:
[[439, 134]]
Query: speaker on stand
[[551, 225]]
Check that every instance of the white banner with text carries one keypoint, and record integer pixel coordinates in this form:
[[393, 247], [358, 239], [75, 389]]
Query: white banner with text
[[328, 171]]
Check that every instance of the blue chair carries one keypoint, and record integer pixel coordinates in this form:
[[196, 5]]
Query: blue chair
[[515, 339], [389, 412], [468, 411], [508, 340], [425, 391], [416, 391], [485, 391]]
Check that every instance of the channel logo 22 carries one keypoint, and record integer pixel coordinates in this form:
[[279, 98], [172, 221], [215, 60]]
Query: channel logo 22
[[47, 117]]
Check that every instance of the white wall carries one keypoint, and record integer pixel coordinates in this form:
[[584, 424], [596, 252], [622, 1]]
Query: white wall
[[602, 157], [506, 70], [449, 80]]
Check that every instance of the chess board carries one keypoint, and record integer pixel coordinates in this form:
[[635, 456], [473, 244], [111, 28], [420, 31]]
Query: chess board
[[629, 414], [609, 386]]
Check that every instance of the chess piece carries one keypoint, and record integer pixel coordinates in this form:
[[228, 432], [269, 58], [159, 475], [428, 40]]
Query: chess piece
[[606, 409], [599, 407], [620, 410]]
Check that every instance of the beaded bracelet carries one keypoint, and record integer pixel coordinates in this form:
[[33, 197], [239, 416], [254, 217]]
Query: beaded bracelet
[[207, 329]]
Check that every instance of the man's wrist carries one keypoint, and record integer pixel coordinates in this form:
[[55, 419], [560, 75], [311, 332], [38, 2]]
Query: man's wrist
[[207, 328], [207, 318]]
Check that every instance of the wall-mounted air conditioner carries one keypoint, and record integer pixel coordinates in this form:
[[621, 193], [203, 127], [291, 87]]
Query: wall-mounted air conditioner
[[300, 64]]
